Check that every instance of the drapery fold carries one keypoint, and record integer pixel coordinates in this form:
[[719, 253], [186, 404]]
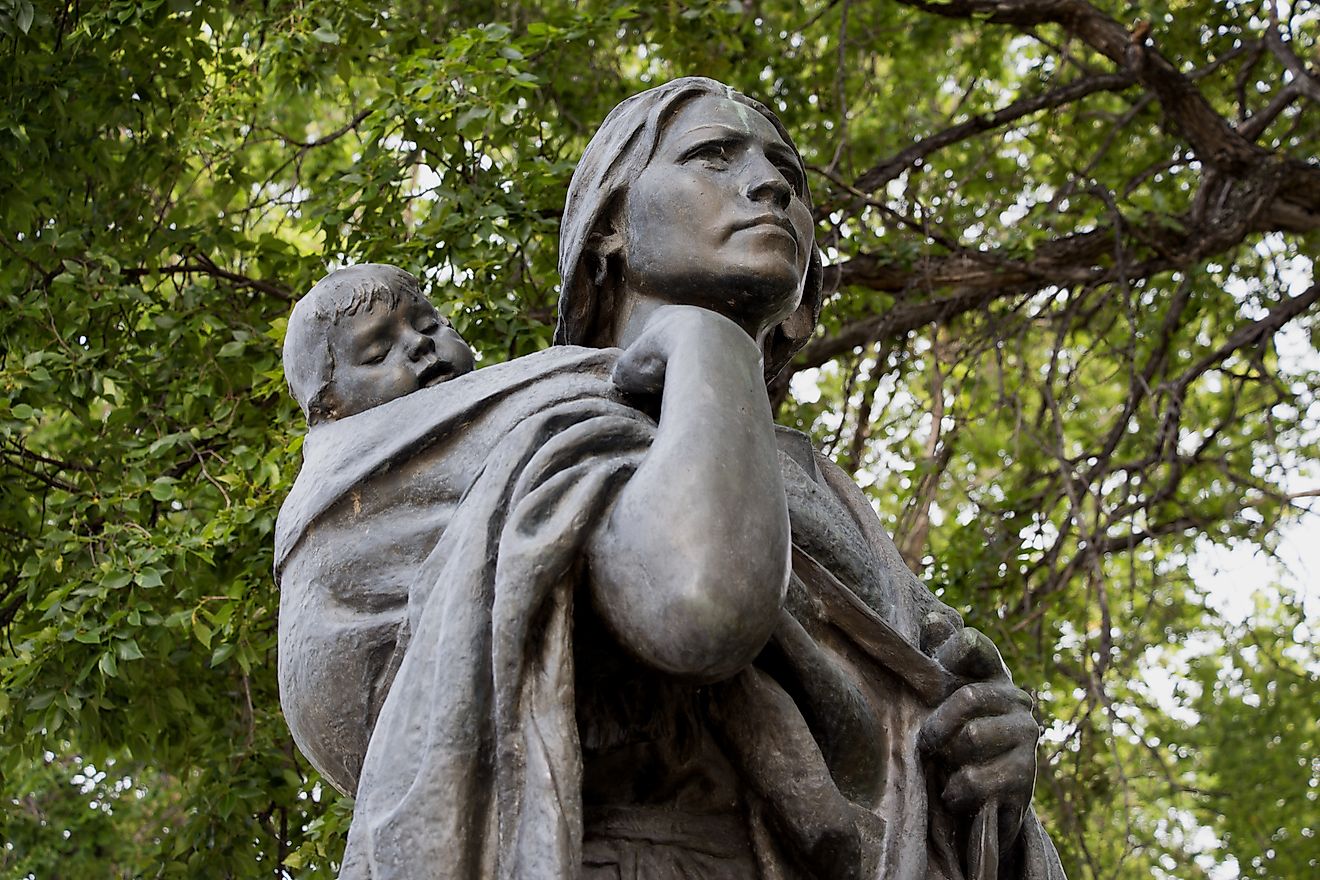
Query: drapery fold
[[430, 558], [491, 697]]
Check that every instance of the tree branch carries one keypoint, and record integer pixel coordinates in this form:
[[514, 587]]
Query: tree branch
[[897, 164], [333, 136], [1305, 81], [204, 266], [1214, 141], [1224, 211], [1250, 335]]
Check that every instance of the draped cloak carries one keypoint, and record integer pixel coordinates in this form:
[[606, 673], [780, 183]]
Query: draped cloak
[[429, 558]]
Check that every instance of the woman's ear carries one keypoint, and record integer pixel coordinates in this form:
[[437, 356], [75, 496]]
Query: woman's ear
[[800, 325], [603, 247]]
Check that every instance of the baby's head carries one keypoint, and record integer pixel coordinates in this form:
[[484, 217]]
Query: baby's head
[[364, 336]]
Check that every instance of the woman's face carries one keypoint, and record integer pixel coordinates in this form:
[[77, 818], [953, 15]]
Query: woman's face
[[718, 218]]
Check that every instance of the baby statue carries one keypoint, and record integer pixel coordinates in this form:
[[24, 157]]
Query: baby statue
[[363, 336]]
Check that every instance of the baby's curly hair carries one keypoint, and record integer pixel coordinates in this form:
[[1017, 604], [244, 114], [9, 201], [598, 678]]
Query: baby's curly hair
[[308, 361]]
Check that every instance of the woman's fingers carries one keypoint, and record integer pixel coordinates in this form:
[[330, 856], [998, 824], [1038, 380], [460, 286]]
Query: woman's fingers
[[976, 700], [985, 738], [937, 629], [984, 733], [641, 367], [970, 654], [640, 371], [1007, 779]]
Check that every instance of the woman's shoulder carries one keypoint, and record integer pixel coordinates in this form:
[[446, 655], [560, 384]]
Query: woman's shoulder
[[912, 599], [797, 446]]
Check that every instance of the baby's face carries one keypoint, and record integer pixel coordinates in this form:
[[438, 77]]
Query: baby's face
[[383, 353]]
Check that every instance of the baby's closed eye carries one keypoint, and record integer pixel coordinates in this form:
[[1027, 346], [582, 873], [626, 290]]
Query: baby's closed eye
[[374, 355]]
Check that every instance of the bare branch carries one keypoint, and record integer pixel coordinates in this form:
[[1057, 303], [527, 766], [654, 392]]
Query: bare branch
[[897, 164], [204, 266], [1215, 142], [333, 136], [1255, 126], [1305, 81], [1251, 334]]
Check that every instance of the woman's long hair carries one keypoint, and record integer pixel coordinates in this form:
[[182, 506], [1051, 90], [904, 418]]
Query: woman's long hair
[[619, 151]]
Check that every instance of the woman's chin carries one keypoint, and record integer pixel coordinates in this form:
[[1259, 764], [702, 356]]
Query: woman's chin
[[755, 298], [763, 300]]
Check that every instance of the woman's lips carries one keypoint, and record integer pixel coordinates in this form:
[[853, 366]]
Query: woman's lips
[[769, 223]]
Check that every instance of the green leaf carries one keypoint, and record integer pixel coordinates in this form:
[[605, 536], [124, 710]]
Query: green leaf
[[202, 632], [148, 578], [162, 488], [221, 654], [25, 15], [468, 119]]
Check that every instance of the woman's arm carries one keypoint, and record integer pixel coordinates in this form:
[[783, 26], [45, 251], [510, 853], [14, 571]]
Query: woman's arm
[[689, 571]]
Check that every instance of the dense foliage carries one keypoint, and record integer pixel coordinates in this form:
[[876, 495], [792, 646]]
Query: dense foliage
[[1073, 333]]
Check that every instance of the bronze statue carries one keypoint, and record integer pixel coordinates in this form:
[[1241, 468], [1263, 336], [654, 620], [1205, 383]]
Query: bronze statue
[[591, 613]]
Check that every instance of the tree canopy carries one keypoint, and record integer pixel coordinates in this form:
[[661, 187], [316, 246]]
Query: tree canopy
[[1070, 337]]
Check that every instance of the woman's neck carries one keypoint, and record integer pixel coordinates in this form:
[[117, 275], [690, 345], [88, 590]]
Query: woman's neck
[[634, 311]]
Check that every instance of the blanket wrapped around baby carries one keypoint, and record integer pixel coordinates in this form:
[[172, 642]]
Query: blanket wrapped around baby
[[429, 557]]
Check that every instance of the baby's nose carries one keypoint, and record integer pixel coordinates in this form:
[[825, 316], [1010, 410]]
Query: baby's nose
[[420, 346]]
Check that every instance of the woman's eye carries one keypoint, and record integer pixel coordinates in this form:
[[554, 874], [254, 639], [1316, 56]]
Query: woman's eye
[[372, 358], [712, 153], [792, 175], [428, 327]]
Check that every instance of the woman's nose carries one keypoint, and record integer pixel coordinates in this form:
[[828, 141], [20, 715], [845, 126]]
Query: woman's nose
[[420, 345], [765, 183]]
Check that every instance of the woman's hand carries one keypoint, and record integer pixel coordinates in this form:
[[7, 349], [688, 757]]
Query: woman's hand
[[686, 331], [983, 737]]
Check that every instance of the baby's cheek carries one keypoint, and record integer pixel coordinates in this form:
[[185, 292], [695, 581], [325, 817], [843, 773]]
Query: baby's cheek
[[459, 355]]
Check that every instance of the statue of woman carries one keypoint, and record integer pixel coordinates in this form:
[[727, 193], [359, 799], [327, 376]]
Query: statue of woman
[[591, 613]]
